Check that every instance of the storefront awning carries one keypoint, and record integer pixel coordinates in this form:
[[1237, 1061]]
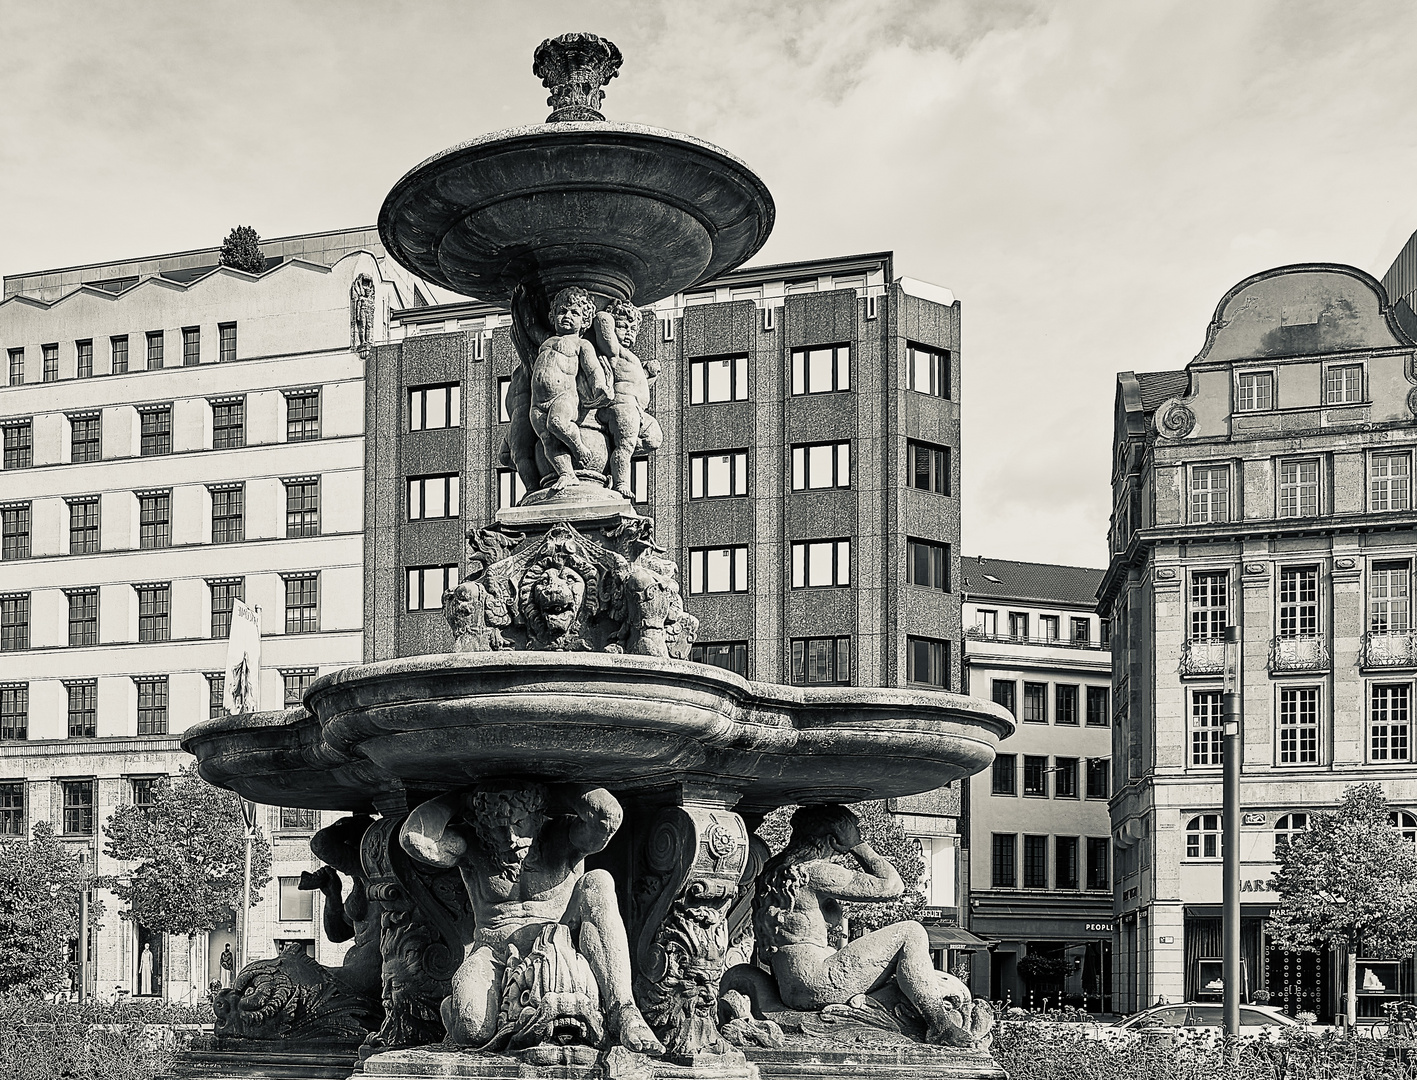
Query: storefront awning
[[952, 937]]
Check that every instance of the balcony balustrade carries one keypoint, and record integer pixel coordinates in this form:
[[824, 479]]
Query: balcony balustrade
[[1203, 656], [1308, 653], [1389, 649]]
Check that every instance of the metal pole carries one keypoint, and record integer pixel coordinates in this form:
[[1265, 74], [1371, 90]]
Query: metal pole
[[248, 814], [83, 945], [1231, 712]]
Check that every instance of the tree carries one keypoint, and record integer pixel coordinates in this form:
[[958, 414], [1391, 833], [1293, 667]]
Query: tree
[[882, 831], [1349, 881], [40, 883], [189, 847], [241, 250]]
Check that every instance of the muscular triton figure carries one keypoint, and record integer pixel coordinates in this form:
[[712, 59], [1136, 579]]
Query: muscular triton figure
[[567, 377], [519, 850]]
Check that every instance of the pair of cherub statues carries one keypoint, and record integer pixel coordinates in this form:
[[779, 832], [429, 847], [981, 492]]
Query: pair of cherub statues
[[583, 384]]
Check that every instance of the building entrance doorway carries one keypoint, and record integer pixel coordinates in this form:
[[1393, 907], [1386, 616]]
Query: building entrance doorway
[[148, 965], [1298, 982]]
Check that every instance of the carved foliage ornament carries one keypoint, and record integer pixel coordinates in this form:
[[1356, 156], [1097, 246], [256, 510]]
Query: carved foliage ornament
[[575, 68]]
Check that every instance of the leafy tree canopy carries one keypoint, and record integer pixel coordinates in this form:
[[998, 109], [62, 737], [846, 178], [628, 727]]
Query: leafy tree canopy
[[189, 847], [241, 250], [40, 883]]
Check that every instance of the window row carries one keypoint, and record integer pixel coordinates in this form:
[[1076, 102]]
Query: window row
[[1255, 390], [1062, 776], [1301, 487], [816, 369], [1205, 833], [153, 343], [1066, 851], [1049, 627], [1065, 702]]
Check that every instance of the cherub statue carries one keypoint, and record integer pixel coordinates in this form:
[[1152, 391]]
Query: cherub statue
[[627, 419], [567, 377]]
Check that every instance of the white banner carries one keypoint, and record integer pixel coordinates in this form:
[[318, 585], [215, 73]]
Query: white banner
[[242, 692]]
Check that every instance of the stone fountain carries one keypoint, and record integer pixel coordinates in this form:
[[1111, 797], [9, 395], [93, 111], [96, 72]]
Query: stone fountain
[[549, 828]]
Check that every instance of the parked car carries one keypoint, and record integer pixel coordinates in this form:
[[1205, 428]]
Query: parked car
[[1199, 1017]]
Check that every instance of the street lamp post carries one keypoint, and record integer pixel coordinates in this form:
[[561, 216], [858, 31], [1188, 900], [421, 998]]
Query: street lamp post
[[1231, 713], [248, 815]]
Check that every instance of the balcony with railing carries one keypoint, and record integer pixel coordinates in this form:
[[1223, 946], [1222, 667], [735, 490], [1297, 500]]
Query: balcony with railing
[[1389, 649], [1305, 653], [1202, 657], [975, 633]]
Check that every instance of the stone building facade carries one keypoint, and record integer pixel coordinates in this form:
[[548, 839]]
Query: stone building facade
[[1268, 486]]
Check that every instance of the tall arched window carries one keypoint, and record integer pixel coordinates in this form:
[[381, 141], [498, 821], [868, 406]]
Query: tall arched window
[[1288, 827], [1406, 823], [1203, 837]]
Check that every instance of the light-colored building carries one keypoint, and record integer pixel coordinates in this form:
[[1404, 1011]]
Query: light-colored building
[[1268, 486], [175, 435], [1039, 867]]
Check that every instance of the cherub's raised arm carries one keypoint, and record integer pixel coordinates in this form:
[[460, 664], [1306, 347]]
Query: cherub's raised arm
[[597, 377], [876, 880], [597, 815], [602, 333], [426, 836]]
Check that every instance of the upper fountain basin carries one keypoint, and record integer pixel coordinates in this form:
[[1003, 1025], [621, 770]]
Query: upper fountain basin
[[626, 211], [432, 723]]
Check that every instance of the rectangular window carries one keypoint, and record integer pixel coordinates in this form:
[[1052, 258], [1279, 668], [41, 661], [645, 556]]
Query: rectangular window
[[302, 507], [510, 490], [19, 445], [1392, 482], [1343, 383], [191, 346], [1065, 704], [1018, 625], [1254, 391], [17, 367], [1299, 488], [1035, 862], [928, 467], [821, 661], [504, 385], [152, 706], [927, 662], [296, 904], [216, 694], [1035, 703], [1005, 775], [302, 604], [12, 808], [156, 436], [302, 415], [119, 352], [1210, 605], [294, 818], [1390, 723], [718, 570], [1048, 627], [425, 586], [155, 519], [145, 789], [83, 709], [50, 356], [1098, 858], [432, 496], [1004, 861], [821, 369], [226, 342], [435, 407], [1082, 631], [822, 465], [1035, 776], [821, 562], [730, 655], [1389, 598], [927, 563], [929, 370], [1065, 862], [1299, 725], [85, 438], [1065, 778], [228, 515], [1104, 632], [228, 423], [154, 612], [718, 475], [14, 622], [1207, 737], [83, 359], [83, 526], [225, 593], [14, 711], [639, 480], [1004, 692], [155, 341], [83, 617], [1210, 494], [722, 378], [1099, 779], [15, 531], [295, 682], [1298, 601], [78, 807], [989, 623], [1099, 713]]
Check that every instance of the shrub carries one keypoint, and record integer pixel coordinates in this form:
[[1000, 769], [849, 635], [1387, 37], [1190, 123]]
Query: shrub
[[59, 1040]]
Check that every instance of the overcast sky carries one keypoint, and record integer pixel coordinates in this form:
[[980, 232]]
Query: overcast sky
[[1088, 178]]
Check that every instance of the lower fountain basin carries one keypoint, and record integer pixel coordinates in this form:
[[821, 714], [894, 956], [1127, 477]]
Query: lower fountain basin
[[432, 723]]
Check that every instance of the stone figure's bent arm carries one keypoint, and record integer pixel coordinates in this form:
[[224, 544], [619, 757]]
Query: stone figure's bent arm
[[876, 880], [426, 836], [602, 391]]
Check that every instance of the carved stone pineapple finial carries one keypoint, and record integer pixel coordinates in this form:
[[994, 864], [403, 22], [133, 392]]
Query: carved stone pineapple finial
[[575, 68]]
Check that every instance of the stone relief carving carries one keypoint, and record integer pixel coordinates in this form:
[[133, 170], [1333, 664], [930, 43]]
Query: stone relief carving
[[548, 967], [361, 314], [1412, 401], [575, 68], [1175, 421], [648, 597]]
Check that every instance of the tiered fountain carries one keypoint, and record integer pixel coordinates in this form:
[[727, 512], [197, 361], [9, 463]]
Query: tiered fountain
[[568, 730]]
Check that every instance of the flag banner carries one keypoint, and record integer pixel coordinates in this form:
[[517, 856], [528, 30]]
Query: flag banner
[[242, 692]]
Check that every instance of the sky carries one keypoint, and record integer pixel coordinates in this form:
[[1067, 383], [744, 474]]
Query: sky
[[1088, 178]]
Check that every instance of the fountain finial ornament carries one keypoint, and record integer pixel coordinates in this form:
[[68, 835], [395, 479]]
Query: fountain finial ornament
[[575, 68]]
